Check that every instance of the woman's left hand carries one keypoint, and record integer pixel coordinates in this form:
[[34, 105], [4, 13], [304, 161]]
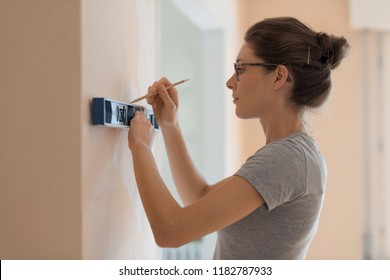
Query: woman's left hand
[[141, 131]]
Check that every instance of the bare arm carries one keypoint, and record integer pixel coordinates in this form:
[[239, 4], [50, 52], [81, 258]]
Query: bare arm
[[229, 201], [189, 182]]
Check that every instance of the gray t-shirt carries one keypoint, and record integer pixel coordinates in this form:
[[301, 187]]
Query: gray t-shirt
[[290, 175]]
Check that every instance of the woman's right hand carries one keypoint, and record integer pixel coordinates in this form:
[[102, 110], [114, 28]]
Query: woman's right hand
[[164, 102]]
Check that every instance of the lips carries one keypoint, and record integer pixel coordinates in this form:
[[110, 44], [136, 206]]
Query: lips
[[235, 99]]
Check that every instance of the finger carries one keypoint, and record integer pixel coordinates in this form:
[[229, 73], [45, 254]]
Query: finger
[[152, 92], [150, 89], [164, 81], [172, 91], [134, 118], [153, 95], [151, 98], [137, 116], [140, 115], [163, 93], [153, 88]]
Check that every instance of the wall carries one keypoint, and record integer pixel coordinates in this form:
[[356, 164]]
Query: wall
[[67, 187], [372, 19], [120, 55], [338, 127], [40, 143]]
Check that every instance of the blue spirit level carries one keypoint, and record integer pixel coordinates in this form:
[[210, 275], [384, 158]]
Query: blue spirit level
[[111, 113]]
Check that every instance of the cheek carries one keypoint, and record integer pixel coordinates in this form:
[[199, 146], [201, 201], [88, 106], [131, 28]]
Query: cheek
[[250, 94], [254, 99], [247, 107]]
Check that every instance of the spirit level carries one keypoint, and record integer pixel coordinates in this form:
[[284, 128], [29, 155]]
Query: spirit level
[[112, 113]]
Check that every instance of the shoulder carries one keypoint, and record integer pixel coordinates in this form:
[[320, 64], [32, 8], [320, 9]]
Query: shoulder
[[279, 169], [285, 151]]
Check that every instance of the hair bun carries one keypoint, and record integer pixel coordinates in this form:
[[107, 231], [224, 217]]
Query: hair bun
[[309, 56], [334, 49], [328, 56]]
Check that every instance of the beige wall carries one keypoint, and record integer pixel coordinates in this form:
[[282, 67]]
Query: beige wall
[[67, 187], [338, 127], [40, 143], [120, 49]]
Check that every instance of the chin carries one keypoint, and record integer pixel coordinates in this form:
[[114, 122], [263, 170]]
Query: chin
[[245, 115], [241, 115]]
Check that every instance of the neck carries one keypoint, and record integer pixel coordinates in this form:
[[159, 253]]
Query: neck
[[282, 125]]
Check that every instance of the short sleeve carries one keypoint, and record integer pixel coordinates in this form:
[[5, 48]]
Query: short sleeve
[[277, 172]]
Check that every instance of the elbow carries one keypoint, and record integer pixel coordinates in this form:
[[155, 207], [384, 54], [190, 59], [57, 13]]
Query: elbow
[[170, 234], [166, 243], [168, 240]]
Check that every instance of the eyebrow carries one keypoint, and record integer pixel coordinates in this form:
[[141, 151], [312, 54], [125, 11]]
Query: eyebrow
[[239, 59]]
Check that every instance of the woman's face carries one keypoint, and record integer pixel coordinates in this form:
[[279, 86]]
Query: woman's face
[[253, 93]]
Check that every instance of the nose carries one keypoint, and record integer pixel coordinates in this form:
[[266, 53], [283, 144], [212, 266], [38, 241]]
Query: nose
[[231, 82]]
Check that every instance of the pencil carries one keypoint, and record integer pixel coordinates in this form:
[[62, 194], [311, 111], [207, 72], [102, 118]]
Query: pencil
[[168, 87]]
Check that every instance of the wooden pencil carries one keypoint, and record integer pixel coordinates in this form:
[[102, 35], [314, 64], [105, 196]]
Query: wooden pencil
[[168, 87]]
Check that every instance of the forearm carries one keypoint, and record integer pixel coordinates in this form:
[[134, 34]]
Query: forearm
[[189, 182], [160, 207]]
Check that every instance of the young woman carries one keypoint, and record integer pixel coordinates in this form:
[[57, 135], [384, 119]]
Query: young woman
[[270, 208]]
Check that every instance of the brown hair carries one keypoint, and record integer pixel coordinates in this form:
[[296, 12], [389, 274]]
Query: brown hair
[[309, 55]]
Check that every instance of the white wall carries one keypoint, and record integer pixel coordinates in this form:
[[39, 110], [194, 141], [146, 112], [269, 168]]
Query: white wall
[[371, 18], [372, 14]]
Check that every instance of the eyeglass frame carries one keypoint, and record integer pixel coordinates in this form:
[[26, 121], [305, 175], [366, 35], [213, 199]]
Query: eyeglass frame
[[262, 64]]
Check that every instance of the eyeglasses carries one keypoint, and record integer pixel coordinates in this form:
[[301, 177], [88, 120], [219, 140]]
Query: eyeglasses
[[239, 69]]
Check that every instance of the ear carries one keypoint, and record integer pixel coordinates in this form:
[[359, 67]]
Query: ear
[[281, 76]]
